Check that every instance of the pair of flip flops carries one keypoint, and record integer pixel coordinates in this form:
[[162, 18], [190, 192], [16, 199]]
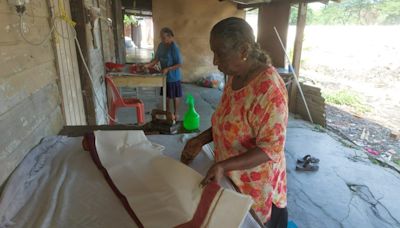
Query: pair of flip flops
[[307, 163]]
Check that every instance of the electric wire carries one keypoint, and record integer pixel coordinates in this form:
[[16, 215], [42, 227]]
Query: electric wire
[[21, 30], [74, 37]]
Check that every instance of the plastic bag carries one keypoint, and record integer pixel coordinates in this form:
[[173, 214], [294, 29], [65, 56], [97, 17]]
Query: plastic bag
[[213, 80]]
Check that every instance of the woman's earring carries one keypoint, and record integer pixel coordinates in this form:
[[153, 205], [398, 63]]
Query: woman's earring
[[244, 59]]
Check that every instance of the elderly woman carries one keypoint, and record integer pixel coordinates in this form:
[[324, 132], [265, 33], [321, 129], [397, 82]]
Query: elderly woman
[[169, 56], [249, 125]]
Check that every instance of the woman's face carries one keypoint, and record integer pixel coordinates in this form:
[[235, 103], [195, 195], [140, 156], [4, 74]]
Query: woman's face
[[228, 61], [166, 38]]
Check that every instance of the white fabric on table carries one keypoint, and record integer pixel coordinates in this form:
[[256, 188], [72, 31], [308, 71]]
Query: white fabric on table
[[161, 191], [174, 145], [58, 185]]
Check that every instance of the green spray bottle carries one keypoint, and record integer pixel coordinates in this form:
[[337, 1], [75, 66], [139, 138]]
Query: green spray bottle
[[191, 120]]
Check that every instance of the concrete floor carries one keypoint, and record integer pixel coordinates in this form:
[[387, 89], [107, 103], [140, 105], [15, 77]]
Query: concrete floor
[[348, 190], [139, 55]]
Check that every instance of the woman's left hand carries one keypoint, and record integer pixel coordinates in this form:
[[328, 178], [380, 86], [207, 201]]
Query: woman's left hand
[[215, 173], [165, 71]]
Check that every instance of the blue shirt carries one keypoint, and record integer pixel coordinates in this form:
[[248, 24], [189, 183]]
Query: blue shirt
[[169, 56]]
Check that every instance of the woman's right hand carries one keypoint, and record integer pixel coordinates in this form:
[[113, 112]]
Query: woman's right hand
[[191, 149]]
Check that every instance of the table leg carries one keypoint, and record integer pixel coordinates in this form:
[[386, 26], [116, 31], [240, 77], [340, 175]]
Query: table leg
[[164, 94]]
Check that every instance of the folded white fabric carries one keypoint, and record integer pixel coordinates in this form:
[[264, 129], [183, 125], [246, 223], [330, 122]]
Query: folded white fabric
[[163, 192]]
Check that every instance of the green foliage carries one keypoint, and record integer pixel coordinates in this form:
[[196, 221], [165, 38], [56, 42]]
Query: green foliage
[[353, 12], [374, 161], [130, 19], [397, 162], [347, 98], [319, 128], [391, 9], [293, 15]]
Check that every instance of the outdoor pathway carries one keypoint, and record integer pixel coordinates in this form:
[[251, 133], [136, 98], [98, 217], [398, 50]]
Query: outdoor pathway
[[347, 191]]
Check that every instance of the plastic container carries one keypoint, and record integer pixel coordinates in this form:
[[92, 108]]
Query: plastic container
[[191, 120], [291, 224]]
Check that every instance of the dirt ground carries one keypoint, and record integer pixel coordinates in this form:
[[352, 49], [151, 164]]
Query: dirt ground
[[366, 61]]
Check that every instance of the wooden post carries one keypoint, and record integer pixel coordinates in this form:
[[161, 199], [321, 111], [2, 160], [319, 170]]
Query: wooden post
[[67, 66], [118, 30], [272, 15], [298, 45], [78, 13]]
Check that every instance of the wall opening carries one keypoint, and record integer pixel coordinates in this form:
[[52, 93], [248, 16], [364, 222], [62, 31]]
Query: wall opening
[[139, 38], [252, 18]]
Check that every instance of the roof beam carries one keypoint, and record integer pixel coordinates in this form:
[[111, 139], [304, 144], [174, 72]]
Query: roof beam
[[257, 5]]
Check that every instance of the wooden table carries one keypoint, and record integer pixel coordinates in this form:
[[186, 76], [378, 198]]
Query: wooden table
[[81, 130], [142, 80]]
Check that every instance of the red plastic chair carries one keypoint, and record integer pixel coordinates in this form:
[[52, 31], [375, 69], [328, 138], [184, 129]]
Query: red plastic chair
[[117, 101]]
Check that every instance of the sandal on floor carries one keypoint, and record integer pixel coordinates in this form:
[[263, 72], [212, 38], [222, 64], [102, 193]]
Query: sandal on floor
[[306, 166], [306, 158]]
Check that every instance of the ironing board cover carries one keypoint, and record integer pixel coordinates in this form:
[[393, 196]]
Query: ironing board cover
[[162, 192]]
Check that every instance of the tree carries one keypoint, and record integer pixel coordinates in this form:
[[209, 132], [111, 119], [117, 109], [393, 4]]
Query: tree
[[294, 10], [130, 19], [293, 15], [359, 12], [390, 11]]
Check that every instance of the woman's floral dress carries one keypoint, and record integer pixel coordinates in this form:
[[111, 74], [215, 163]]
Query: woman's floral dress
[[255, 116]]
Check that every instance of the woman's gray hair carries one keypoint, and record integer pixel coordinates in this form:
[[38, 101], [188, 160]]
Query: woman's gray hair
[[237, 32], [168, 31]]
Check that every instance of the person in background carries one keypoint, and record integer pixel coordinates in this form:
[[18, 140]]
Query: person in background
[[170, 59], [249, 124]]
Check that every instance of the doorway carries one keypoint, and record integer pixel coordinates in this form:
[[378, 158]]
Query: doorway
[[138, 35]]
